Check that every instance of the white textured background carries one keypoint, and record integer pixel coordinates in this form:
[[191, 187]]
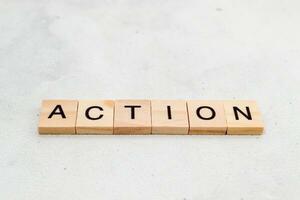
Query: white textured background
[[188, 49]]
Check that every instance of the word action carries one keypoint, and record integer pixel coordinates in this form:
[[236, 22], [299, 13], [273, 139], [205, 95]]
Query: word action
[[233, 117]]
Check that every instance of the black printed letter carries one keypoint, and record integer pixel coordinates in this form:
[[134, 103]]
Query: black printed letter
[[213, 113], [236, 110], [169, 112], [87, 113], [60, 112], [132, 110]]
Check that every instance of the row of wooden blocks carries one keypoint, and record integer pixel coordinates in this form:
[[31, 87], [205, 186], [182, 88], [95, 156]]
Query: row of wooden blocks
[[150, 117]]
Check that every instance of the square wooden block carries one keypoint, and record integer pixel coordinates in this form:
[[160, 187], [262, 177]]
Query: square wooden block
[[58, 117], [243, 117], [95, 117], [132, 117], [207, 117], [169, 117]]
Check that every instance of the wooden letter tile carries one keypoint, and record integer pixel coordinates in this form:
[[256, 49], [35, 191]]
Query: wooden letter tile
[[95, 117], [58, 117], [169, 117], [132, 117], [243, 117], [207, 117]]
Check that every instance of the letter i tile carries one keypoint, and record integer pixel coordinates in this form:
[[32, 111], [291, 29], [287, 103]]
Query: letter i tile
[[169, 117]]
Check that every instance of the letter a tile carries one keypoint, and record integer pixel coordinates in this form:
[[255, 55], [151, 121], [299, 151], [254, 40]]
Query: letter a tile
[[132, 117], [58, 117], [95, 117], [243, 117]]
